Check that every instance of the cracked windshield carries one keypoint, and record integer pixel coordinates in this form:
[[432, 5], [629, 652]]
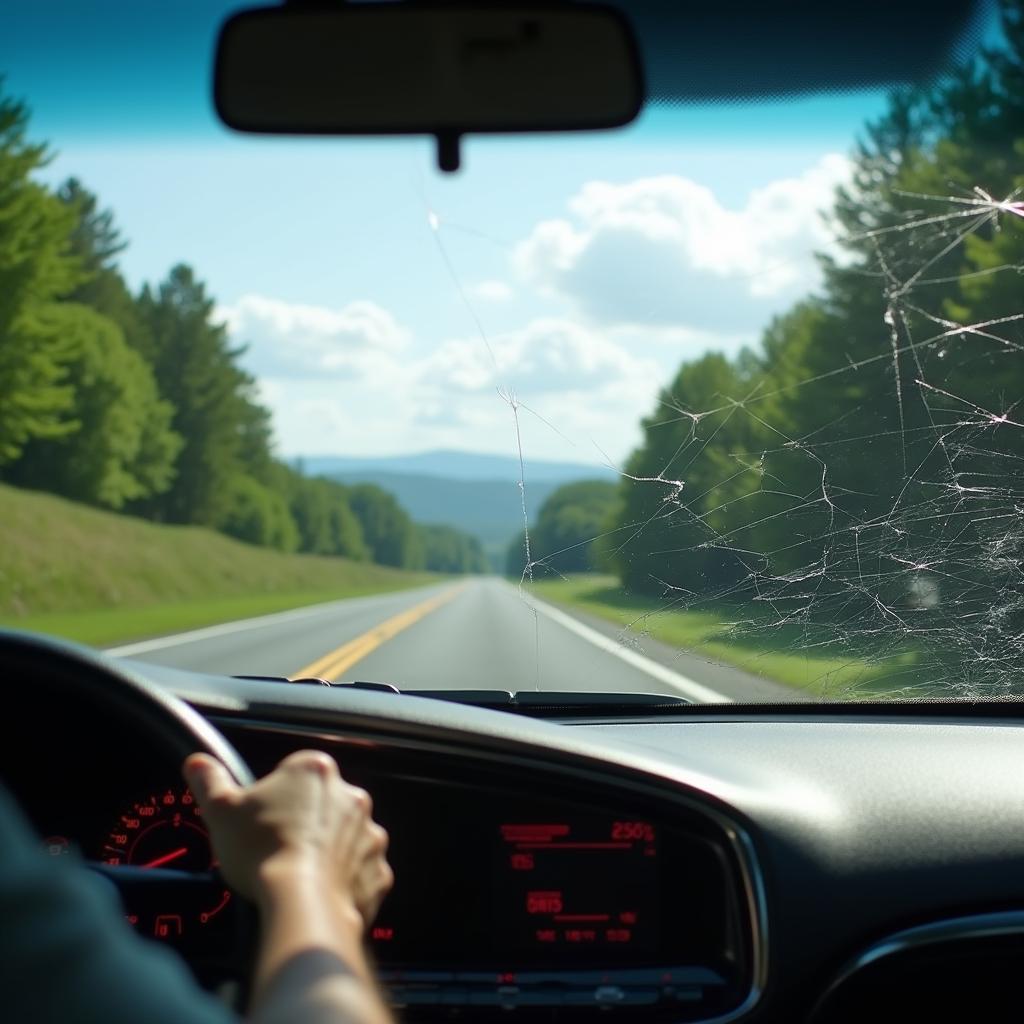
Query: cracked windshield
[[725, 405]]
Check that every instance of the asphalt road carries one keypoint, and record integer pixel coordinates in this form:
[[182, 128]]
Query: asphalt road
[[480, 633]]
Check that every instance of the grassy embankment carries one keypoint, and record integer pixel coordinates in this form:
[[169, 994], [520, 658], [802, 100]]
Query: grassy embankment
[[101, 578], [774, 652]]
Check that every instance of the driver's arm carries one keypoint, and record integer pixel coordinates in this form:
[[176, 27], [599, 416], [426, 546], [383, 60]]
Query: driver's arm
[[300, 842]]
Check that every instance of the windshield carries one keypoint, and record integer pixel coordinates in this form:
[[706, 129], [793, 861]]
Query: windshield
[[724, 405]]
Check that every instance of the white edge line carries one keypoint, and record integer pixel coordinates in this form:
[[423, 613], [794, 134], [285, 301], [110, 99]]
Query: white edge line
[[240, 625], [688, 687]]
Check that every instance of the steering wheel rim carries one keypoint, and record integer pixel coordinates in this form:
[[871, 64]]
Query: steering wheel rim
[[58, 665], [65, 674]]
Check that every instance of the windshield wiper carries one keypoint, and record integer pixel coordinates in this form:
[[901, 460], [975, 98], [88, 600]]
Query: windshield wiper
[[525, 702]]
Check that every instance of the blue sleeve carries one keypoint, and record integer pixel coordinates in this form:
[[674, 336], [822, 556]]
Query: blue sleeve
[[67, 954]]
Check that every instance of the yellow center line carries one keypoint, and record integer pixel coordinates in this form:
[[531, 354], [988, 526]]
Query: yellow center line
[[331, 665]]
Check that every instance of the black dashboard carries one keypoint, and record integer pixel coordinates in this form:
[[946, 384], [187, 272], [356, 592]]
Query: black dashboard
[[706, 863], [518, 886]]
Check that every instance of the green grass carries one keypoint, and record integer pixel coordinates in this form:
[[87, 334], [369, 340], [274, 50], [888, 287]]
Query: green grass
[[110, 626], [101, 578], [772, 653]]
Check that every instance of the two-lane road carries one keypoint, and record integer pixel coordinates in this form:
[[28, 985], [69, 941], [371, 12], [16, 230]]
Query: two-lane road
[[479, 633]]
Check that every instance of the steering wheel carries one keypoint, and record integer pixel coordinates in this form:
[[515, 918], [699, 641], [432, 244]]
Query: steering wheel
[[60, 672], [69, 690]]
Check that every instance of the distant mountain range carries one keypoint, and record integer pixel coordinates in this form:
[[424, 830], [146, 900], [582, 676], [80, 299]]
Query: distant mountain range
[[456, 465], [475, 492]]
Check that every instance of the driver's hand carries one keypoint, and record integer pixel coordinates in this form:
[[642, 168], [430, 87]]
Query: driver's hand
[[302, 817]]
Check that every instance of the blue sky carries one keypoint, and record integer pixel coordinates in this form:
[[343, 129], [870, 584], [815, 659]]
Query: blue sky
[[362, 279]]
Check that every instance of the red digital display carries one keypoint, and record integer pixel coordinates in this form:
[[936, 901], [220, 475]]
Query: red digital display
[[585, 883]]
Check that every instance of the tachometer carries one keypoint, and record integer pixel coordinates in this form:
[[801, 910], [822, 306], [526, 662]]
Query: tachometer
[[162, 830]]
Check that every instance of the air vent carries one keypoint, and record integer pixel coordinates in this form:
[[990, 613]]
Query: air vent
[[966, 970]]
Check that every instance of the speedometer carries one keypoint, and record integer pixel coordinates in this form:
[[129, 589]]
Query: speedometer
[[164, 829], [164, 832]]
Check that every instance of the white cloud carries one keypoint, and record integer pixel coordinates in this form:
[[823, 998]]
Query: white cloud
[[331, 388], [582, 392], [579, 386], [493, 291], [548, 355], [323, 418], [289, 339], [665, 250]]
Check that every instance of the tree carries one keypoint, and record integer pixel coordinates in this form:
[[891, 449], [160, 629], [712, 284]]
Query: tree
[[346, 530], [257, 514], [566, 536], [226, 433], [387, 528], [517, 564], [96, 242], [121, 448], [37, 267], [116, 445], [325, 520], [695, 480], [446, 549]]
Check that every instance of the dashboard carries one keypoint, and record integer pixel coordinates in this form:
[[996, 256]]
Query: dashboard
[[764, 864], [518, 888]]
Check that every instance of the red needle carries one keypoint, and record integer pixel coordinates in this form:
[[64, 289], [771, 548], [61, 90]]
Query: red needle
[[173, 855]]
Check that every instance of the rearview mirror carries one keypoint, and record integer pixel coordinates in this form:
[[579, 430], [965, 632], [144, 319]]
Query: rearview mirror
[[439, 69]]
